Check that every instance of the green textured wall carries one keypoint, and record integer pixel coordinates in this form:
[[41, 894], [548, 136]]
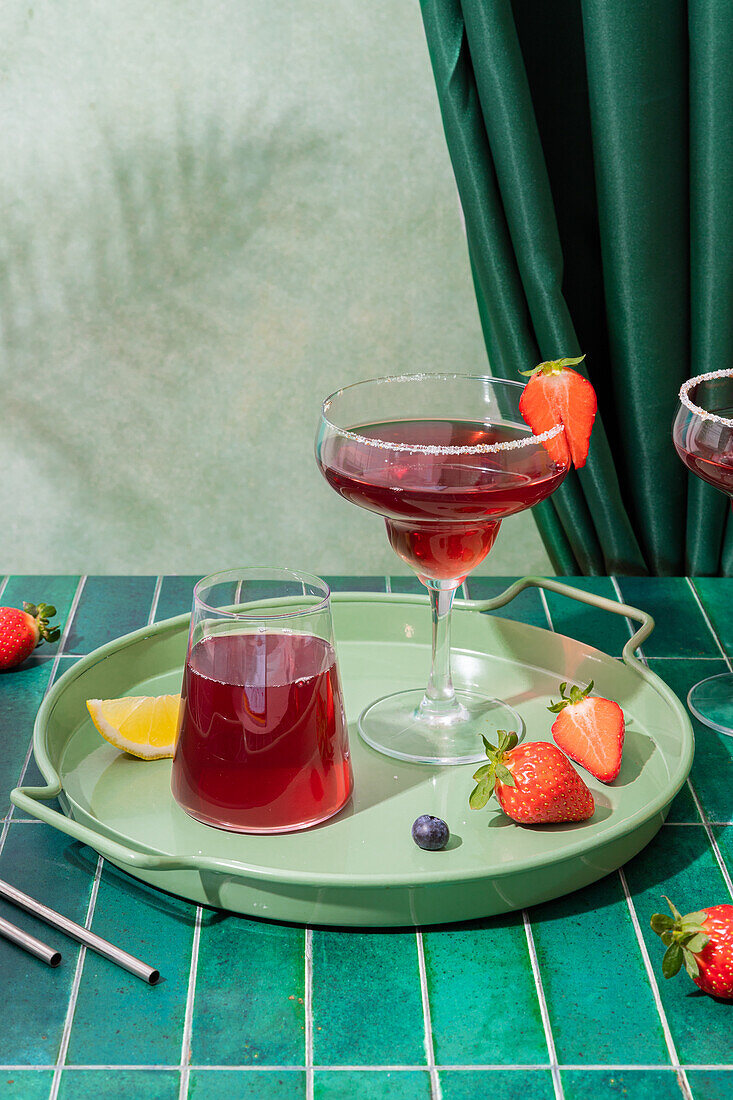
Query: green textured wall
[[211, 215]]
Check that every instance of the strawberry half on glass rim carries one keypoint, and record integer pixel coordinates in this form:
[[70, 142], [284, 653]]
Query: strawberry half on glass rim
[[556, 394]]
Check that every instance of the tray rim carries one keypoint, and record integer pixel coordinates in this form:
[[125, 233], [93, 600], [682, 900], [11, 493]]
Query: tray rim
[[133, 854]]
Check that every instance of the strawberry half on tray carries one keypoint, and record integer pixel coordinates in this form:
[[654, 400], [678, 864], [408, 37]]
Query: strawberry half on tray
[[556, 394], [590, 730]]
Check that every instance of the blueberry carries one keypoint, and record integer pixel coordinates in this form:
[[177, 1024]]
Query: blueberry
[[430, 833]]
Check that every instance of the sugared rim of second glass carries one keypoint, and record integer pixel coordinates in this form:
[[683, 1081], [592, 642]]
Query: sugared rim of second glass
[[263, 573], [424, 448], [687, 401]]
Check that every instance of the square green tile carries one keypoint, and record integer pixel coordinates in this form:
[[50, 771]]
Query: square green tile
[[371, 1085], [410, 584], [587, 624], [355, 584], [711, 1084], [249, 993], [235, 1084], [56, 590], [157, 928], [467, 1029], [25, 1084], [176, 597], [724, 837], [680, 629], [527, 607], [590, 933], [21, 693], [680, 863], [712, 768], [716, 596], [46, 865], [497, 1084], [108, 608], [621, 1084], [104, 1084], [367, 1003]]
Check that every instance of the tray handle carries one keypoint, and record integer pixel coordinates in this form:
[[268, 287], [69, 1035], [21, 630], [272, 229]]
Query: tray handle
[[33, 799], [642, 617]]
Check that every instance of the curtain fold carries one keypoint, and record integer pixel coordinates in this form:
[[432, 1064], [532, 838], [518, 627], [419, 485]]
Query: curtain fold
[[572, 127]]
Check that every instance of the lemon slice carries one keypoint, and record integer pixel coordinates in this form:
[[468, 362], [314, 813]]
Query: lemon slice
[[143, 725]]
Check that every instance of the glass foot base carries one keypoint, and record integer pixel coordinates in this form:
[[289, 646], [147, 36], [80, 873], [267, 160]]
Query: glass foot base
[[393, 725], [711, 701]]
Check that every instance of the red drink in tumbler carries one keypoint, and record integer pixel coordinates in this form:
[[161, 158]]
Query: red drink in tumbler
[[263, 743]]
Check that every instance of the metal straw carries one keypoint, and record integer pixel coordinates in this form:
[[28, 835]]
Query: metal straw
[[29, 943], [83, 935]]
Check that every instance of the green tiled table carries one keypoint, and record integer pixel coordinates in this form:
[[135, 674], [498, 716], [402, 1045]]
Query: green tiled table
[[563, 1000]]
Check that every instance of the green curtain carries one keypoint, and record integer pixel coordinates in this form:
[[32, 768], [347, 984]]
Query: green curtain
[[592, 144]]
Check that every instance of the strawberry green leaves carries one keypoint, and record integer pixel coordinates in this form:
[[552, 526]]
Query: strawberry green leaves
[[42, 613], [552, 366], [487, 774], [577, 695], [684, 938]]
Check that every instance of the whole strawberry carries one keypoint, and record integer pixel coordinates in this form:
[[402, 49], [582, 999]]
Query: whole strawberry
[[555, 394], [590, 730], [702, 942], [22, 631], [534, 783]]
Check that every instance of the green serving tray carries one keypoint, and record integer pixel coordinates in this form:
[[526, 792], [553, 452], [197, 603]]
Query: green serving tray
[[362, 867]]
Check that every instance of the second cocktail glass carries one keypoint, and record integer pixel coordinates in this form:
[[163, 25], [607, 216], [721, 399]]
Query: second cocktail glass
[[703, 438], [443, 458]]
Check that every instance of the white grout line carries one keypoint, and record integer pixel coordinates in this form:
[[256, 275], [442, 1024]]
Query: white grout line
[[156, 597], [671, 1049], [548, 616], [544, 1012], [711, 837], [436, 1092], [709, 625], [51, 678], [686, 659], [387, 584], [469, 1068], [308, 1008], [185, 1065], [68, 1022]]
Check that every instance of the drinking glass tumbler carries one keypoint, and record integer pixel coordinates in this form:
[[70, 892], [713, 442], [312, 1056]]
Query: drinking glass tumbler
[[262, 742]]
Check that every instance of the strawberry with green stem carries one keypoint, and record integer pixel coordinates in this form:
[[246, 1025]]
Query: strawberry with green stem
[[534, 783], [702, 942], [556, 394], [22, 631]]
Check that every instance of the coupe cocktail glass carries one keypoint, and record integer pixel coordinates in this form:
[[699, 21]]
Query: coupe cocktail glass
[[703, 437], [443, 458]]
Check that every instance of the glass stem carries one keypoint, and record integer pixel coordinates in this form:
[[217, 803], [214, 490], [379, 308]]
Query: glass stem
[[439, 701]]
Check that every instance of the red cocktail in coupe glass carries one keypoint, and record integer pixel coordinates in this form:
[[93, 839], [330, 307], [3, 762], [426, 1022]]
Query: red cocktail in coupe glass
[[263, 741], [444, 458], [703, 438]]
